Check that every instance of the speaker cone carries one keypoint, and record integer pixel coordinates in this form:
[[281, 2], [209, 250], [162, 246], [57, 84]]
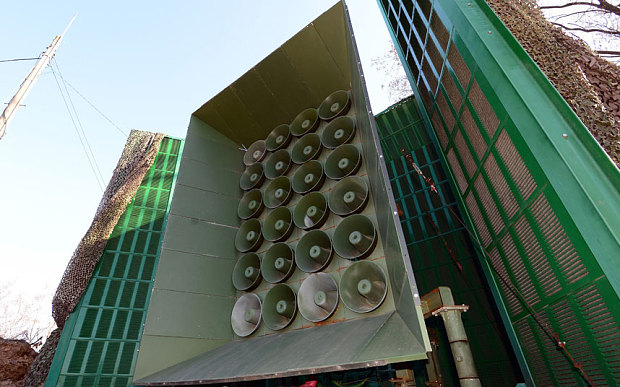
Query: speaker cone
[[308, 177], [307, 121], [349, 195], [355, 237], [246, 315], [246, 273], [306, 148], [251, 205], [336, 104], [338, 132], [317, 297], [277, 264], [255, 153], [313, 252], [311, 211], [278, 225], [249, 237], [363, 286], [279, 137], [252, 177], [278, 192], [279, 307], [278, 164], [343, 161]]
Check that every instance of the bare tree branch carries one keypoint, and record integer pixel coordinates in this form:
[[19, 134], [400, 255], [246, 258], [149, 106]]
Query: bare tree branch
[[602, 4], [607, 52], [582, 29]]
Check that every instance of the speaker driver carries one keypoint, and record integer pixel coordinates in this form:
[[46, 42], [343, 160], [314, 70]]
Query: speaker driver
[[336, 104], [249, 236], [246, 315], [349, 195], [306, 148], [246, 273], [279, 137], [278, 164], [278, 192], [277, 264], [279, 307], [307, 121], [313, 252], [311, 211], [339, 131], [317, 297], [252, 177], [363, 286], [343, 161], [278, 225], [255, 153], [251, 205], [308, 177], [355, 237]]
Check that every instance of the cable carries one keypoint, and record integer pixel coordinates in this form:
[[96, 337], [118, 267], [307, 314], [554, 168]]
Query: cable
[[18, 60]]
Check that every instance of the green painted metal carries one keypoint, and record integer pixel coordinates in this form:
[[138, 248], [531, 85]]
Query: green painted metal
[[101, 338], [539, 191]]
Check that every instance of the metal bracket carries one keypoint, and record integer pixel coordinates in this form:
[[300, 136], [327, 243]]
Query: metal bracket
[[462, 308]]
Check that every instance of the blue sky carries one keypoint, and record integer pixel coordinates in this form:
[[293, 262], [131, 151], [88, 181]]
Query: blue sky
[[145, 65]]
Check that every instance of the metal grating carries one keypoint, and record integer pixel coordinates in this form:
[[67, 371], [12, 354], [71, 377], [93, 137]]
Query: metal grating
[[102, 334]]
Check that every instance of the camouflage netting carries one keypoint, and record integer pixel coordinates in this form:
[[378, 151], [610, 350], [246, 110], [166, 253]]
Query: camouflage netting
[[589, 83]]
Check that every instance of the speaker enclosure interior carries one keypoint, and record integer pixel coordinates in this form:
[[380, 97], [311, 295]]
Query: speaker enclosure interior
[[306, 148], [249, 236], [252, 177], [278, 164], [246, 315], [309, 177], [246, 273], [279, 138], [314, 251], [278, 263], [278, 192], [255, 153], [336, 104], [279, 307], [363, 286], [348, 196], [317, 297], [340, 131], [250, 205], [278, 225], [305, 122], [355, 237], [343, 161], [311, 211]]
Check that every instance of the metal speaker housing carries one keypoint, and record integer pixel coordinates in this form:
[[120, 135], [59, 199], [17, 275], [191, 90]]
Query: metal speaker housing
[[336, 104], [317, 297], [307, 121], [308, 177], [250, 205], [246, 315], [313, 251], [278, 164], [246, 273], [252, 177], [363, 286], [278, 225], [355, 237], [278, 192], [348, 196], [311, 211], [249, 236], [306, 148], [343, 161], [255, 153], [279, 137], [279, 307], [278, 263], [339, 131]]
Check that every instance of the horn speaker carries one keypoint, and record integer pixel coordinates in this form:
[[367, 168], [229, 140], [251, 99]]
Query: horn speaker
[[278, 192], [336, 104], [246, 273], [363, 286], [252, 177], [306, 148], [255, 153], [249, 236], [308, 177], [278, 164], [317, 297], [279, 307], [313, 252], [279, 137], [251, 204], [349, 195], [338, 132], [246, 315], [311, 211], [355, 237], [277, 264], [343, 161], [307, 121], [278, 225]]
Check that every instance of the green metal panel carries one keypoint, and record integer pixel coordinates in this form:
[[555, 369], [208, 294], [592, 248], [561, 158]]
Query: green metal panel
[[101, 338], [540, 192]]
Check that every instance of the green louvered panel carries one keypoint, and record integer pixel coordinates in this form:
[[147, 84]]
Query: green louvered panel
[[537, 188], [100, 340], [429, 225]]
